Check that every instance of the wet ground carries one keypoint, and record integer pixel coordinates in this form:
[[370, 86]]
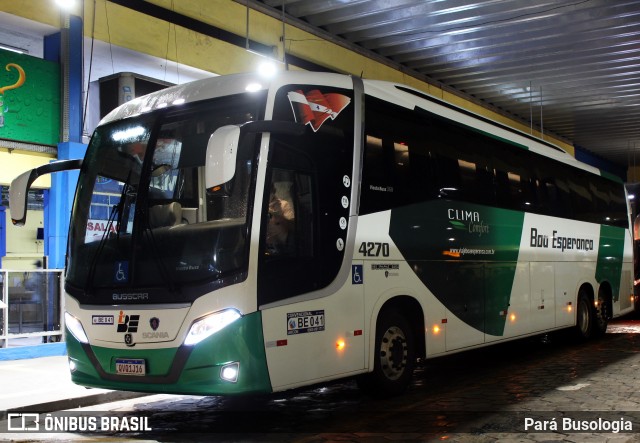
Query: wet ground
[[511, 392]]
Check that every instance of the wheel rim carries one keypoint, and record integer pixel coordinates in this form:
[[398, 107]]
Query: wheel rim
[[393, 353], [583, 317]]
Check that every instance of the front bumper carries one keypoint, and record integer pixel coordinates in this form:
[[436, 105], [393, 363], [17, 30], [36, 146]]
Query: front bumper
[[194, 370]]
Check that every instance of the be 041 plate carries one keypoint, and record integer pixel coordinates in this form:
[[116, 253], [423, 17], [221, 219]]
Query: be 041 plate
[[130, 366], [304, 322]]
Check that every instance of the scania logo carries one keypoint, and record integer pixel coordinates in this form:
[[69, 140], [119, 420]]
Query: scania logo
[[155, 335]]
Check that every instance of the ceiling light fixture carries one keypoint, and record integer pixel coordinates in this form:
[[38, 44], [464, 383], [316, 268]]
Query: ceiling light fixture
[[13, 48], [66, 4]]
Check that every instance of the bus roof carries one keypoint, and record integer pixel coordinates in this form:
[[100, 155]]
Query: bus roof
[[396, 93]]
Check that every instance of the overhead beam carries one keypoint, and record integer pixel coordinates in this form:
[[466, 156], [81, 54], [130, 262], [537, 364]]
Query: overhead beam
[[212, 31]]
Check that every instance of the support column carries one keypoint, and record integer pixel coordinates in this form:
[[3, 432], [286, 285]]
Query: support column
[[58, 210], [65, 47], [75, 74]]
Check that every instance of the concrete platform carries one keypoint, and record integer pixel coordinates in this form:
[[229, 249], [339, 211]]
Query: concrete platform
[[44, 384]]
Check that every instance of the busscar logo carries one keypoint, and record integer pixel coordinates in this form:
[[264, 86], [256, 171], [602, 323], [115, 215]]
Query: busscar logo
[[128, 323], [135, 296]]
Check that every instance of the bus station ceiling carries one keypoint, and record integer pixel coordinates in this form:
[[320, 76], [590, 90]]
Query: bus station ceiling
[[572, 67]]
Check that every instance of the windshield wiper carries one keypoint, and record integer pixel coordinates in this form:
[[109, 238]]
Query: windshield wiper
[[143, 205], [117, 209]]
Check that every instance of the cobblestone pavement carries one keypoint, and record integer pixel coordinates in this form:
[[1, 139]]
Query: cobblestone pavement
[[588, 390]]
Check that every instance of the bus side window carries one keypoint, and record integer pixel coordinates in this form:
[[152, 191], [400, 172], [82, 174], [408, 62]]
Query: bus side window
[[397, 167], [288, 252], [609, 202], [377, 185], [464, 175], [582, 203], [289, 226], [515, 185]]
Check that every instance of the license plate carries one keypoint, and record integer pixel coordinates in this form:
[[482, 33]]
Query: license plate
[[304, 322], [130, 366]]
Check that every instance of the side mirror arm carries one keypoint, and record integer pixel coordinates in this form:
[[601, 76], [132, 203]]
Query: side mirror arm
[[19, 189]]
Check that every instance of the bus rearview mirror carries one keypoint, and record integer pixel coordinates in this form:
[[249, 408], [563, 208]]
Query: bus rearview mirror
[[18, 193], [222, 150], [19, 189]]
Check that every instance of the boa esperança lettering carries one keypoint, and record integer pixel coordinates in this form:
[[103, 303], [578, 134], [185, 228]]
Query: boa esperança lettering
[[559, 242]]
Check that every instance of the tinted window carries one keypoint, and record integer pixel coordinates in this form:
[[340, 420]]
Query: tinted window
[[416, 155]]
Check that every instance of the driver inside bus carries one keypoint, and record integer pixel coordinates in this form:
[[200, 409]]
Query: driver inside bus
[[281, 224]]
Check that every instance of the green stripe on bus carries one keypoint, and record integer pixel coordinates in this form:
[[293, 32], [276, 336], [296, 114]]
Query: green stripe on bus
[[465, 254], [610, 253], [497, 137], [611, 176]]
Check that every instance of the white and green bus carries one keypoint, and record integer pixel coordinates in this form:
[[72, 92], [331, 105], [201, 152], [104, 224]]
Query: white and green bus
[[239, 235]]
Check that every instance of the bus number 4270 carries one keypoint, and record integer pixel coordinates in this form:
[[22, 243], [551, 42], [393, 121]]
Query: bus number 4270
[[374, 249]]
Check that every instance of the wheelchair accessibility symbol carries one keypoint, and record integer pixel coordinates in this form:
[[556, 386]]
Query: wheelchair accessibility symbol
[[121, 272], [356, 275]]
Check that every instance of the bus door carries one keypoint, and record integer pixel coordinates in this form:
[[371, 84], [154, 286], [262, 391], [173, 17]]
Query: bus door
[[312, 311]]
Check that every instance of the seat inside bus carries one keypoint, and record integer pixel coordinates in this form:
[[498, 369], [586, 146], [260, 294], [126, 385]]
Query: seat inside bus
[[169, 214]]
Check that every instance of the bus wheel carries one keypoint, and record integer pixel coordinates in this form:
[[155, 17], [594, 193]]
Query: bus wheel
[[585, 316], [601, 317], [394, 358]]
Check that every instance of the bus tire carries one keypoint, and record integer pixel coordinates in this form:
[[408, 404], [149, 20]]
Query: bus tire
[[602, 315], [585, 316], [394, 359]]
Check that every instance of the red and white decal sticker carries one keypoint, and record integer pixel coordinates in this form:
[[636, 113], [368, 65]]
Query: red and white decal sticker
[[314, 107]]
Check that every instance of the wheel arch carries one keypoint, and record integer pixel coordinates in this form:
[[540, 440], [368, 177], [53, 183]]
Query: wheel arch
[[587, 287], [411, 308]]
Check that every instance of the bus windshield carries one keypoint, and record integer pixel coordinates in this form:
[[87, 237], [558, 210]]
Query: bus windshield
[[142, 218]]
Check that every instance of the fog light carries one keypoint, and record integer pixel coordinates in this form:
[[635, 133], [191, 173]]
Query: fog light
[[72, 366], [230, 372]]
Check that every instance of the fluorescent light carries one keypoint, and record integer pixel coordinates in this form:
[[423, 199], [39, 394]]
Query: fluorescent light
[[66, 4], [267, 69], [13, 48]]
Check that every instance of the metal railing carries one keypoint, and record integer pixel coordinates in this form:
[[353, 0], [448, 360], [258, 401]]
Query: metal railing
[[31, 305]]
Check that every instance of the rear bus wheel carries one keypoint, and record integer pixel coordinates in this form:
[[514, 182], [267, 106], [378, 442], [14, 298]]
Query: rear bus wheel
[[585, 316], [601, 318]]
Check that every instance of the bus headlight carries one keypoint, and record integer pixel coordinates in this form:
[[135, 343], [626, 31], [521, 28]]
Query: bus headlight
[[209, 325], [75, 327]]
